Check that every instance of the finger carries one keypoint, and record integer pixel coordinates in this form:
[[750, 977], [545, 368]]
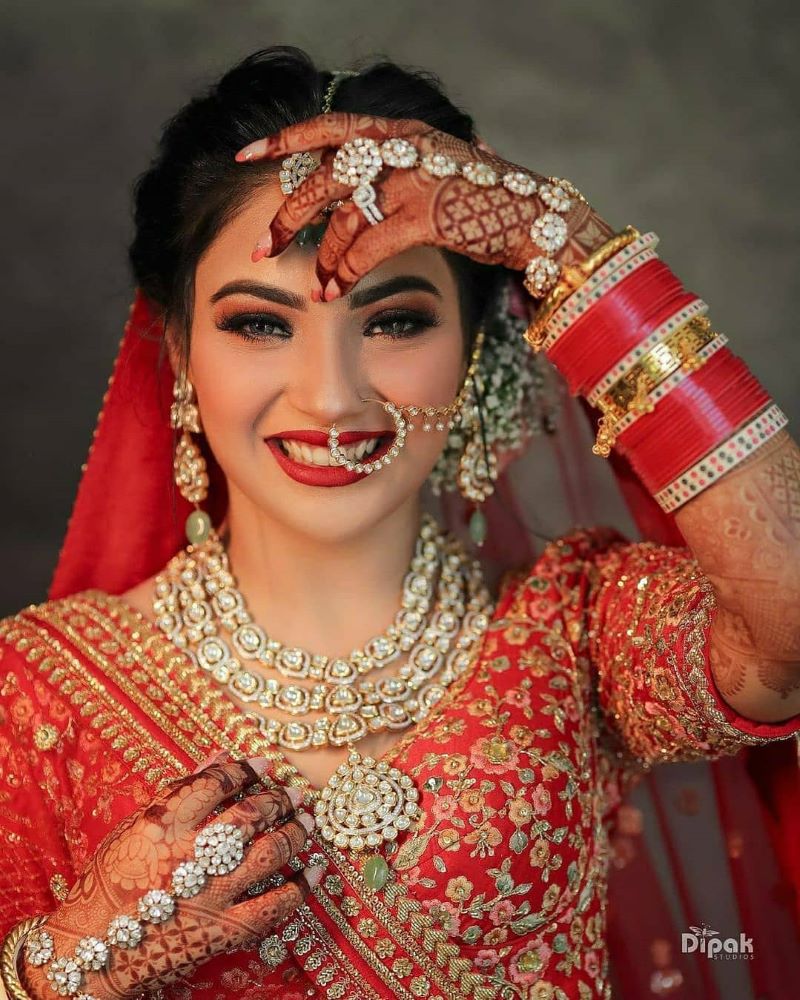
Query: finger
[[328, 130], [375, 245], [265, 856], [303, 206], [212, 759], [257, 813], [190, 802], [260, 915], [345, 225]]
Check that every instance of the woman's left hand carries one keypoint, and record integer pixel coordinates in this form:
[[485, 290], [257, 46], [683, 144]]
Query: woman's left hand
[[490, 224]]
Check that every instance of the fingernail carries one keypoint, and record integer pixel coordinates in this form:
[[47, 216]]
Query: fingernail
[[295, 796], [316, 294], [332, 290], [259, 764], [307, 820], [250, 152], [263, 247], [313, 875]]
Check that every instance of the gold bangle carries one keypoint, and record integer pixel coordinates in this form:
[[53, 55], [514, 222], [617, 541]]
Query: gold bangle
[[631, 392], [676, 350], [9, 957], [572, 277]]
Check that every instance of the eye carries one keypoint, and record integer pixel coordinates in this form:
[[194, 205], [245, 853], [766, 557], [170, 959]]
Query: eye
[[401, 324], [256, 326]]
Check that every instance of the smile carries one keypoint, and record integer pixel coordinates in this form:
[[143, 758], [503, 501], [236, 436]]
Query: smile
[[310, 455], [304, 455]]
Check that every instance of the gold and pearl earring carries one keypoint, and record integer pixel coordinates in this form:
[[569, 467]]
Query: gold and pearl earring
[[189, 465]]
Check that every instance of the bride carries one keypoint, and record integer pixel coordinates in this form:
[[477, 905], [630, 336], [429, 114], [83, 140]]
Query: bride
[[223, 772]]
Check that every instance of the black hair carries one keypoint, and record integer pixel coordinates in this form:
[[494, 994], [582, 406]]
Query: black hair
[[193, 186]]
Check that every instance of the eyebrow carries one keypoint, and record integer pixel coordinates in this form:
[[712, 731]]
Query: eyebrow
[[356, 299], [272, 293], [402, 283]]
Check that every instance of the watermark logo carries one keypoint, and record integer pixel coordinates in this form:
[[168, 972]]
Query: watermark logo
[[709, 943]]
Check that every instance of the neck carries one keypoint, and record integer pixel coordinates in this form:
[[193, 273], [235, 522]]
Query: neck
[[326, 596]]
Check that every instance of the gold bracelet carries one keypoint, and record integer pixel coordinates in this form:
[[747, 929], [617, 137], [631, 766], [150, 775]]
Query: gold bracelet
[[572, 277], [631, 392], [9, 957], [677, 350]]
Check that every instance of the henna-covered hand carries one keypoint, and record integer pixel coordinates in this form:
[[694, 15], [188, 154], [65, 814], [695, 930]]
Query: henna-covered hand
[[141, 853], [489, 224]]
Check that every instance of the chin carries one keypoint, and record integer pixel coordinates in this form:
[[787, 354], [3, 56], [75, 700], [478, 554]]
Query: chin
[[349, 515]]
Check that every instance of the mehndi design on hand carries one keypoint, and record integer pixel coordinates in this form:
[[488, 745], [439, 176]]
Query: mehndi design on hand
[[162, 892], [452, 194]]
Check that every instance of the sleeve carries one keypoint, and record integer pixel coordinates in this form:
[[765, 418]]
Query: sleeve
[[646, 615], [34, 801]]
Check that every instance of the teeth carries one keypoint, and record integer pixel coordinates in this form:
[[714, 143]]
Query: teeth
[[310, 455]]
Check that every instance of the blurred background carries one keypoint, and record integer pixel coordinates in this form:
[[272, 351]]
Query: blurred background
[[678, 117]]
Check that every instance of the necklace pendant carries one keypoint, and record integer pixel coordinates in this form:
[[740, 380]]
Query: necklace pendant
[[365, 803]]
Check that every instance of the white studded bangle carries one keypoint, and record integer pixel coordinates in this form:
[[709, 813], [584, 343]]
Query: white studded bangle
[[549, 233], [722, 459]]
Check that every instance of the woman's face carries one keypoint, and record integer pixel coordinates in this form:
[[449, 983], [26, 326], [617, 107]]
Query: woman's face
[[268, 363]]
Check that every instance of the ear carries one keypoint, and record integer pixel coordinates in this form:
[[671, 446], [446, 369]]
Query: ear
[[173, 340]]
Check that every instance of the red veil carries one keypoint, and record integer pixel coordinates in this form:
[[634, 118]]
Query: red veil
[[713, 844]]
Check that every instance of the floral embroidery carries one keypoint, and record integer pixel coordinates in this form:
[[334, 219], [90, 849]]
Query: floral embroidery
[[592, 671]]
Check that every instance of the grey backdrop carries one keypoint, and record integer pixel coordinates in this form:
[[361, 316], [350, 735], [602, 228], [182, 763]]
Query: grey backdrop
[[677, 116]]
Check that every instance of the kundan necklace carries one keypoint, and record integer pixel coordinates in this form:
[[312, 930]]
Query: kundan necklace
[[445, 609]]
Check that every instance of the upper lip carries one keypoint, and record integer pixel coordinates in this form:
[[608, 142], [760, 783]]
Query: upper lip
[[320, 438]]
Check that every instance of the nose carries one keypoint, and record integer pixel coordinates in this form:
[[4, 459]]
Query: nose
[[328, 384]]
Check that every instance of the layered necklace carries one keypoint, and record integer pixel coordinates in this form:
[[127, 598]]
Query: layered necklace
[[444, 610]]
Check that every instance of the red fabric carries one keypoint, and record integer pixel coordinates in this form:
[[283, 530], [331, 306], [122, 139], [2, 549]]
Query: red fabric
[[127, 521]]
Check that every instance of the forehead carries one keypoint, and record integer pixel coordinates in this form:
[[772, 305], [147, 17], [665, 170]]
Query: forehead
[[228, 255]]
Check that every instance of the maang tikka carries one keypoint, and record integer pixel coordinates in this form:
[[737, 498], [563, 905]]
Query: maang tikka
[[189, 465]]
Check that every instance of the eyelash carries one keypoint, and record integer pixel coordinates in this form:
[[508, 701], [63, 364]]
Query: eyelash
[[416, 321]]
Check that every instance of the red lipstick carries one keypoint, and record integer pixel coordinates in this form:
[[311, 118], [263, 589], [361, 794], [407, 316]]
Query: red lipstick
[[325, 475]]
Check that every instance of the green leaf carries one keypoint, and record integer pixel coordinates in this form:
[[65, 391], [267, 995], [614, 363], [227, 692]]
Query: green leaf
[[439, 864], [572, 874], [471, 934], [527, 924], [504, 883], [527, 775], [518, 842], [560, 943], [508, 788]]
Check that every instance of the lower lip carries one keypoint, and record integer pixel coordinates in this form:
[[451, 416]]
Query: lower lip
[[322, 475]]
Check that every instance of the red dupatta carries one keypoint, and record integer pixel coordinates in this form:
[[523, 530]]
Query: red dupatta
[[128, 520]]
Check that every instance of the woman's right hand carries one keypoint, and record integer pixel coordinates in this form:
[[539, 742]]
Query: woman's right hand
[[141, 853]]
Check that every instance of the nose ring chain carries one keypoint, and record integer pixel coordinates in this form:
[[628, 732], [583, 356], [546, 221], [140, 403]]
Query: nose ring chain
[[433, 417]]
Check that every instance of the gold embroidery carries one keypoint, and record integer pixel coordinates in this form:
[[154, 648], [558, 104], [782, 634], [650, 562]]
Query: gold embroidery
[[66, 672], [59, 887], [145, 671], [45, 737]]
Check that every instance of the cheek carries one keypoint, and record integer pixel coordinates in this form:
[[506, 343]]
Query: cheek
[[232, 387]]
